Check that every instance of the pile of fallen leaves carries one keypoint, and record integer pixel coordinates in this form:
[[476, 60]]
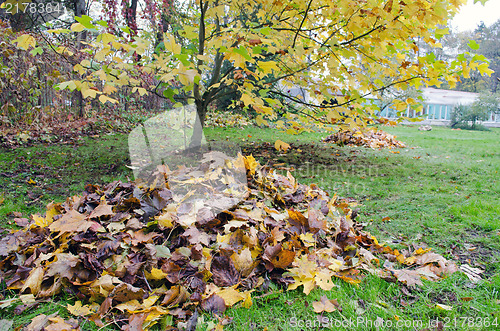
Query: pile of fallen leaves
[[68, 132], [138, 255], [62, 128], [368, 137], [226, 119]]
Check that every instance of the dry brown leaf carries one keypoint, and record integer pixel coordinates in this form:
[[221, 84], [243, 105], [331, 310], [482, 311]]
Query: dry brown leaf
[[125, 292], [9, 244], [352, 275], [196, 236], [72, 221], [59, 324], [430, 257], [34, 281], [254, 42], [135, 322], [39, 322], [277, 235], [175, 296], [298, 217], [5, 325], [317, 221], [325, 305], [223, 271], [103, 209], [62, 266], [213, 304], [244, 262], [408, 277]]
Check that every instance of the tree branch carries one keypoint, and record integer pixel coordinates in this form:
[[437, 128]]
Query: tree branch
[[301, 23]]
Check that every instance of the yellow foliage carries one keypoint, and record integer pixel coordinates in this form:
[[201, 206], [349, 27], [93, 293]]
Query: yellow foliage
[[356, 50]]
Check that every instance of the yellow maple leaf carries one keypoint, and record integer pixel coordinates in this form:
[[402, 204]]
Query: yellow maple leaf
[[156, 274], [171, 45], [88, 92], [40, 221], [421, 251], [247, 99], [77, 27], [281, 146], [307, 239], [251, 164], [25, 41], [308, 283], [104, 99], [80, 310], [105, 38], [304, 274], [324, 280], [268, 66], [231, 296], [247, 303], [260, 120]]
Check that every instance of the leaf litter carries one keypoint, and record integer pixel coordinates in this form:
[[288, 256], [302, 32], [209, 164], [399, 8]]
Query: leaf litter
[[135, 255], [368, 137]]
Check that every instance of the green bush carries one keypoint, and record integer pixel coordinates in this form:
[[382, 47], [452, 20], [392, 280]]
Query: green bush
[[467, 117], [466, 126]]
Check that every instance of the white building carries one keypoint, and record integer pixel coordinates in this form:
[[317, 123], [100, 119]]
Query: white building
[[440, 103]]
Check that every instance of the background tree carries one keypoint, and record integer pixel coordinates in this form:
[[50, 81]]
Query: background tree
[[485, 42], [489, 46]]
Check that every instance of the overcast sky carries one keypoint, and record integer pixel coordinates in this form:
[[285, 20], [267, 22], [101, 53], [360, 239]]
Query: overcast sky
[[472, 14]]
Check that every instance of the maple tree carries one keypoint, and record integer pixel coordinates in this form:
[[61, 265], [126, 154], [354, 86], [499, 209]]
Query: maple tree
[[341, 51]]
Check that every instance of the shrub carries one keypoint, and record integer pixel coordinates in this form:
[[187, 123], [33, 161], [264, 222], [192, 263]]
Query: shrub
[[467, 117]]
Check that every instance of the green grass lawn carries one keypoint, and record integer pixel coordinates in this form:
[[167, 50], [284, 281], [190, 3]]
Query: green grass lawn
[[442, 191]]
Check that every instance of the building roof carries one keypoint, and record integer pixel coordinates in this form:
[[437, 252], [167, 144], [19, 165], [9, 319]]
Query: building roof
[[447, 97]]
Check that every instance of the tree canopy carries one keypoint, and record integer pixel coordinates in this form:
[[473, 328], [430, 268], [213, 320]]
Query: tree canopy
[[199, 51], [487, 42]]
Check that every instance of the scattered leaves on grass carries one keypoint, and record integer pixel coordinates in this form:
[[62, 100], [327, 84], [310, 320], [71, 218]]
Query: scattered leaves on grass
[[325, 305], [408, 277], [52, 323], [443, 307], [474, 274], [134, 254]]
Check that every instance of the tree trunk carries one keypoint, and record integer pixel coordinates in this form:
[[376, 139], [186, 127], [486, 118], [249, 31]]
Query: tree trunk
[[80, 10], [131, 18], [201, 110], [166, 12]]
